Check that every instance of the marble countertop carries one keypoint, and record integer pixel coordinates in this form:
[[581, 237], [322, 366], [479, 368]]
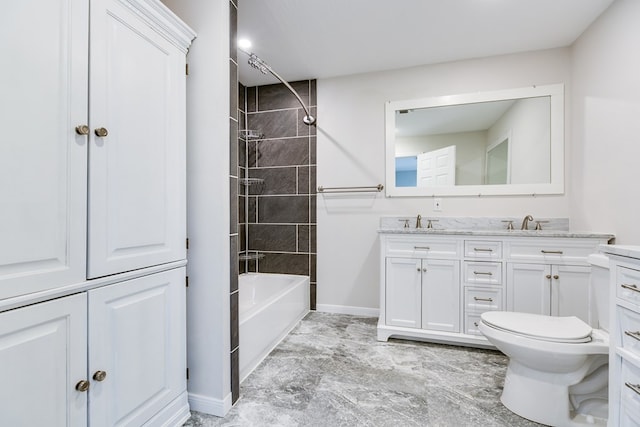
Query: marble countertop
[[502, 233], [484, 226]]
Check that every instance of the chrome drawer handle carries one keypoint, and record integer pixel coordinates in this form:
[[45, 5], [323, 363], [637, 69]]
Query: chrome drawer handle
[[634, 335], [425, 248], [630, 287], [482, 250], [551, 252], [485, 273], [634, 387], [483, 299]]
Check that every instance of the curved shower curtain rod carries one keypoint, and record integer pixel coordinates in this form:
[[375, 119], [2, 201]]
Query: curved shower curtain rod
[[263, 67]]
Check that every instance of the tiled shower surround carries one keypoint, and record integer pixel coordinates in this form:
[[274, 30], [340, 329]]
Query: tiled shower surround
[[277, 216]]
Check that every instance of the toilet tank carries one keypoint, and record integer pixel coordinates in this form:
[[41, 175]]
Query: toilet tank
[[599, 288]]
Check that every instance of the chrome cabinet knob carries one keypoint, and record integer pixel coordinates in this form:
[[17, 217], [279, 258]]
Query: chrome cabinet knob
[[82, 130], [99, 375], [556, 277], [83, 385], [101, 132], [548, 276]]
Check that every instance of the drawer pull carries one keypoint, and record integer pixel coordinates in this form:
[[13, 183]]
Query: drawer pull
[[634, 387], [634, 335], [483, 273], [482, 250], [551, 252], [424, 248], [483, 299], [630, 287]]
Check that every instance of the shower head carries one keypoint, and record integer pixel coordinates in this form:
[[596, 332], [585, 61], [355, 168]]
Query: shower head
[[263, 67], [258, 63]]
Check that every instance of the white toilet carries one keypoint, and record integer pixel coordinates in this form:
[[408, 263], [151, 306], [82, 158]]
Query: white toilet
[[558, 366]]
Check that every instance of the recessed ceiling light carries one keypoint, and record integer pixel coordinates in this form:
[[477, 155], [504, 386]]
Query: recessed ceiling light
[[244, 43]]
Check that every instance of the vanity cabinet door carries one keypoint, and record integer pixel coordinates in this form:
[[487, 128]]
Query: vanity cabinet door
[[43, 356], [441, 295], [43, 161], [570, 291], [403, 291], [528, 288], [136, 165], [137, 336], [557, 290]]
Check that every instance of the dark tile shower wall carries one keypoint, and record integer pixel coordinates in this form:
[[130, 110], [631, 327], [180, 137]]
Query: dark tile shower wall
[[278, 216]]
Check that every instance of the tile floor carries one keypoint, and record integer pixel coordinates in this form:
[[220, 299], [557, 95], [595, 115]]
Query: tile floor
[[331, 371]]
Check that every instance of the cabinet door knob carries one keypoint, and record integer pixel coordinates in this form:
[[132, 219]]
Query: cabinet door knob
[[99, 375], [82, 130], [555, 276], [83, 385], [424, 270], [101, 132], [548, 276]]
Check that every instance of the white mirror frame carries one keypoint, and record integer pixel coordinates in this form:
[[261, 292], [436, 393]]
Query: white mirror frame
[[556, 186]]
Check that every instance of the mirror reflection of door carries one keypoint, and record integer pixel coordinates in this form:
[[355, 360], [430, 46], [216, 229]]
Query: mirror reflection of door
[[497, 170], [437, 167]]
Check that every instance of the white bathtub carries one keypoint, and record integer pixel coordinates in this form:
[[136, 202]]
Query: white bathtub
[[270, 305]]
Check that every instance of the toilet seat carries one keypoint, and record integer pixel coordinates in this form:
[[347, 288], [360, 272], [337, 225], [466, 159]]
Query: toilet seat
[[570, 330]]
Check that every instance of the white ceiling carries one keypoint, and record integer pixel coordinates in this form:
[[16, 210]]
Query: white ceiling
[[305, 39]]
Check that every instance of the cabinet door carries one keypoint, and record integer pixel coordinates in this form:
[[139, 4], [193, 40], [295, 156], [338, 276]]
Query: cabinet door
[[137, 333], [403, 288], [136, 171], [441, 295], [529, 288], [42, 160], [43, 350], [570, 291]]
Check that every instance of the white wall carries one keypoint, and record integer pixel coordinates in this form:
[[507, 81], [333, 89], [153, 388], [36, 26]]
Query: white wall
[[351, 152], [529, 123], [208, 204], [606, 124]]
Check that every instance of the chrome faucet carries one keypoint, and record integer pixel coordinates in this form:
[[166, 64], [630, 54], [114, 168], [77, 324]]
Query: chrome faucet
[[525, 222], [419, 221]]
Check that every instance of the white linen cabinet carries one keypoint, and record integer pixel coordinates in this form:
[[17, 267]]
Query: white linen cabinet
[[92, 213]]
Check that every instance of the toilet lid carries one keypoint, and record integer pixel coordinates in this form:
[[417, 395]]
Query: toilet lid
[[541, 327]]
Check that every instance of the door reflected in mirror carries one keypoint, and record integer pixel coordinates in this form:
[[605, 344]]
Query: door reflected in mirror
[[505, 142]]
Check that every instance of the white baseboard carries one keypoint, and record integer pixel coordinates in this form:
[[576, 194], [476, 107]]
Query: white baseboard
[[209, 405], [347, 309]]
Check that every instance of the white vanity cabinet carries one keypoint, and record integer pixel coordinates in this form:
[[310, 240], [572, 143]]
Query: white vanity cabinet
[[93, 213], [482, 281], [435, 286], [551, 276], [133, 370], [624, 335], [104, 154], [421, 286]]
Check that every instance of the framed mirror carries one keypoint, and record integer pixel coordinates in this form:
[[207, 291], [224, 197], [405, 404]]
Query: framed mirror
[[507, 142]]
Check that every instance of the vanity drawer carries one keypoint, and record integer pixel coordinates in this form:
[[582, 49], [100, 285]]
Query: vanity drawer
[[480, 300], [471, 322], [482, 272], [629, 330], [550, 251], [482, 249], [422, 248], [628, 284], [630, 386]]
